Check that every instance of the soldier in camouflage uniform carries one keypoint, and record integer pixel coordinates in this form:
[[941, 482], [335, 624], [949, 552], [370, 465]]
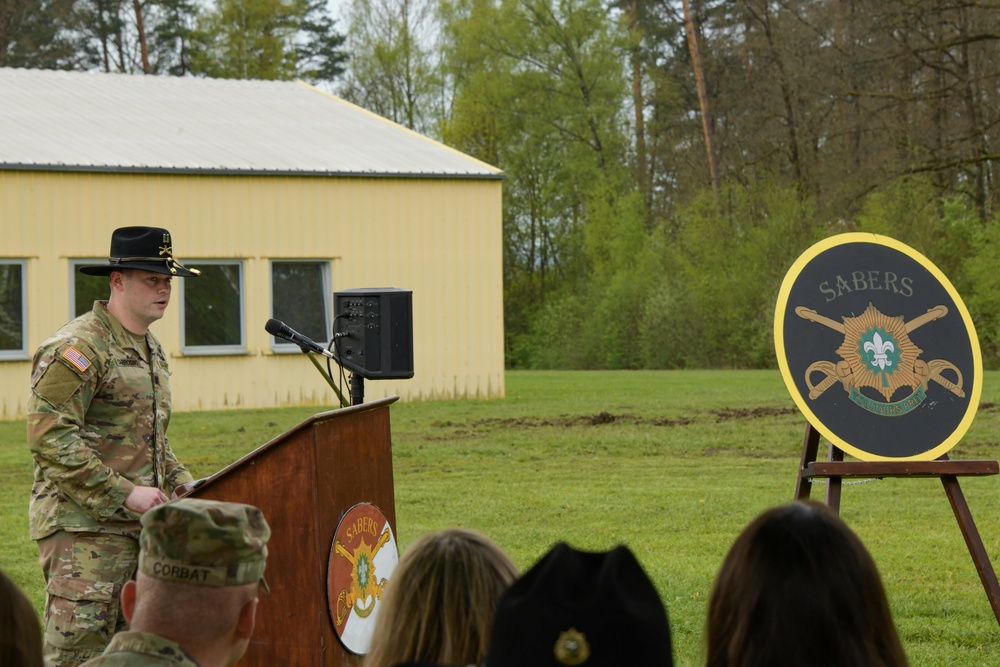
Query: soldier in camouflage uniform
[[97, 422], [201, 564]]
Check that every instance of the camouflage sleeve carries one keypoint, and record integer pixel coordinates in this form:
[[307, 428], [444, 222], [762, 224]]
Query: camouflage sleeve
[[177, 474], [61, 444]]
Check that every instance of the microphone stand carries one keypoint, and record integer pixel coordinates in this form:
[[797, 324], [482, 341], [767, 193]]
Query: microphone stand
[[329, 380], [357, 389]]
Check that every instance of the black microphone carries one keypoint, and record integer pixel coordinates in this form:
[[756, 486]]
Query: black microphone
[[282, 330]]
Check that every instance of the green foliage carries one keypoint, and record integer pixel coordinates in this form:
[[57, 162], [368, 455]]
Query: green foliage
[[38, 34], [951, 234], [614, 253], [983, 295], [260, 39], [713, 305], [596, 326], [392, 71], [619, 313], [698, 293], [556, 337], [962, 232], [538, 91], [170, 23], [320, 51], [908, 210], [106, 35], [247, 39]]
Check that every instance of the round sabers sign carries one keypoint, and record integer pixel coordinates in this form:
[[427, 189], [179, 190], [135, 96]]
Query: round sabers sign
[[363, 556], [877, 349]]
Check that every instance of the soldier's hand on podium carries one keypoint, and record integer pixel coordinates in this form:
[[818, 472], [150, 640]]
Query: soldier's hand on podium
[[144, 498]]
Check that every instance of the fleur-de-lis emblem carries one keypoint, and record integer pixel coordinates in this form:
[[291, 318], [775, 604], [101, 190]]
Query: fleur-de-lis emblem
[[880, 351]]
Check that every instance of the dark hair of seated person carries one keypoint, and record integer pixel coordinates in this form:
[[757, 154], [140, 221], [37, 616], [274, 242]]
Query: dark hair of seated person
[[20, 632], [798, 587]]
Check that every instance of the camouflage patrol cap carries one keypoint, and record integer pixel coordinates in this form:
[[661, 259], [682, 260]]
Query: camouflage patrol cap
[[204, 542]]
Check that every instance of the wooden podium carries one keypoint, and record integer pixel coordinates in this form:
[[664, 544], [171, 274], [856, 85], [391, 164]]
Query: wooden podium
[[304, 481]]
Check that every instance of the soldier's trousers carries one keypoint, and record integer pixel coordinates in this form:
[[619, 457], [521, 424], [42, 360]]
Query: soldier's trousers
[[84, 576]]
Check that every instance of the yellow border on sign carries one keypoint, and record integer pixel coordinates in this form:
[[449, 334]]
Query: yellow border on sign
[[779, 345]]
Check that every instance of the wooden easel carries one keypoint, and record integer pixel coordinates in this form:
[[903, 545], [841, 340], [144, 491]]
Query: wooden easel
[[835, 469]]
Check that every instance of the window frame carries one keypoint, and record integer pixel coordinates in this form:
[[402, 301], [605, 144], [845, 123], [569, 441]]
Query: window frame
[[326, 267], [74, 272], [210, 350], [13, 354]]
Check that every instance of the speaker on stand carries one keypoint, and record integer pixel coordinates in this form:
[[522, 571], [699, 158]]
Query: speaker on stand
[[373, 330]]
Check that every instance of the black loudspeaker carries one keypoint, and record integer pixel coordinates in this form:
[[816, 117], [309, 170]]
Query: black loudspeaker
[[373, 329]]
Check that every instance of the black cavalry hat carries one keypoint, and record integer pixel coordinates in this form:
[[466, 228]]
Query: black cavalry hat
[[144, 248], [581, 608]]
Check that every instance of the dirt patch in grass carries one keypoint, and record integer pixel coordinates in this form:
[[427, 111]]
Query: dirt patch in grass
[[976, 449], [727, 414], [775, 453], [565, 421], [598, 420]]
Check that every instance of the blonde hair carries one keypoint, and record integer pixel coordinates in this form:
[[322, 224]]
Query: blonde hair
[[439, 603]]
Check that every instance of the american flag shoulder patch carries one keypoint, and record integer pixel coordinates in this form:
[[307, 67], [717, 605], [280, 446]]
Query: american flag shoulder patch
[[76, 358]]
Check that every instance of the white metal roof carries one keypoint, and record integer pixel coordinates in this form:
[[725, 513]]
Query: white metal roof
[[77, 121]]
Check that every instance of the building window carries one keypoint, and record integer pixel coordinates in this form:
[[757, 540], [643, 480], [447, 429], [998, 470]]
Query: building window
[[301, 296], [84, 290], [13, 309], [212, 308]]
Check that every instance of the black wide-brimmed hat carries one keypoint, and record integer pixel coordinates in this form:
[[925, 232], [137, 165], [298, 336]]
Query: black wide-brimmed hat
[[143, 248], [580, 608]]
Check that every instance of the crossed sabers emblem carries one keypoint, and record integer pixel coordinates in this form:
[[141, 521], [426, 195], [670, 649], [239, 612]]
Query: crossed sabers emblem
[[854, 371], [363, 580], [165, 250]]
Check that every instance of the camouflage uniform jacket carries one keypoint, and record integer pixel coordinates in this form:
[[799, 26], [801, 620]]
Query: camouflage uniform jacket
[[142, 649], [97, 422]]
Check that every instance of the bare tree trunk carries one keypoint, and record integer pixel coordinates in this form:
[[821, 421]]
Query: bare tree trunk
[[103, 36], [641, 171], [847, 101], [788, 97], [977, 136], [706, 116], [140, 27], [120, 47]]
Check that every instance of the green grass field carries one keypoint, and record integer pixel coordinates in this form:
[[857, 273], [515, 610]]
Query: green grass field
[[673, 464]]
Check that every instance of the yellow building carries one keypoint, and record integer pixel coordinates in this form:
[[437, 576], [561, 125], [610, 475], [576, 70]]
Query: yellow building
[[280, 194]]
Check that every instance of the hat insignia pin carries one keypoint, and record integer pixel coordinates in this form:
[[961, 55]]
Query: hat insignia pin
[[571, 648], [172, 263]]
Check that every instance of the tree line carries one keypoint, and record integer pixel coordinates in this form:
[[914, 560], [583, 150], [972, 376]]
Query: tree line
[[666, 160], [236, 39]]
